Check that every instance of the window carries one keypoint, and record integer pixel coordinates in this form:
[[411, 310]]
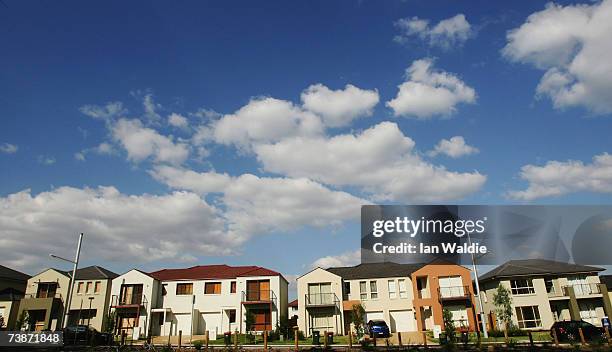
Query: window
[[373, 290], [212, 288], [320, 294], [88, 287], [403, 291], [232, 316], [233, 287], [184, 289], [97, 287], [347, 288], [80, 287], [588, 312], [522, 287], [164, 292], [528, 317], [392, 291], [46, 289], [550, 286], [363, 290]]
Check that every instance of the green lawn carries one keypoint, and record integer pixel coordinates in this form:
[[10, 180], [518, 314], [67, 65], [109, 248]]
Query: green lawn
[[538, 336]]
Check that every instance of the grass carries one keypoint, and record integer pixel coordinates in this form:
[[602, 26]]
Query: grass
[[538, 336]]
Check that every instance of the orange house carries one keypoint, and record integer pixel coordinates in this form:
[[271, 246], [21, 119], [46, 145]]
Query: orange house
[[439, 286]]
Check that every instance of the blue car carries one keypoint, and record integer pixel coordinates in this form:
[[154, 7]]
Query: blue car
[[378, 328]]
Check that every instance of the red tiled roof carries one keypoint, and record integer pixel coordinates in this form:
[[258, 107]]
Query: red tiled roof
[[293, 303], [202, 272]]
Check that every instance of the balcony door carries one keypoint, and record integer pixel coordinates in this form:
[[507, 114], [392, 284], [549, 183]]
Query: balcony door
[[258, 290], [131, 294], [451, 286], [320, 293], [46, 290], [580, 285]]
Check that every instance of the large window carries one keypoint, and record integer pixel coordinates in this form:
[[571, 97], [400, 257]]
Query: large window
[[522, 287], [320, 293], [373, 290], [392, 289], [363, 290], [528, 317], [212, 288], [403, 291], [46, 289], [184, 289]]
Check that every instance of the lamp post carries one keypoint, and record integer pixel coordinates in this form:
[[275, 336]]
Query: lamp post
[[482, 314], [64, 320]]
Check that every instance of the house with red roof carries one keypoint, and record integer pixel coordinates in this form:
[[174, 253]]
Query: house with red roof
[[191, 301]]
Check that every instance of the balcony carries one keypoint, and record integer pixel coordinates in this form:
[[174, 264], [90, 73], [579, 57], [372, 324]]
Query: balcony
[[581, 290], [127, 301], [321, 300], [454, 292], [258, 296]]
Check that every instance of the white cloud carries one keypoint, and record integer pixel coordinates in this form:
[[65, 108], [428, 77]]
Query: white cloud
[[381, 160], [8, 148], [150, 108], [572, 44], [557, 178], [103, 148], [454, 147], [265, 120], [46, 160], [178, 120], [344, 259], [142, 142], [339, 107], [428, 93], [200, 182], [117, 226], [109, 111], [453, 31]]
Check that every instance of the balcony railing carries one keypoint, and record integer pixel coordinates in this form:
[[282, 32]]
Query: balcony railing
[[250, 296], [453, 292], [36, 295], [583, 289], [321, 299], [128, 300]]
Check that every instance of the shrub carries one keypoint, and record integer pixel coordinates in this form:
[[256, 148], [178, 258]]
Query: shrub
[[197, 344]]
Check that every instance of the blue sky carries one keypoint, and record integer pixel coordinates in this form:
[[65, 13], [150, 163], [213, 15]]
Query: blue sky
[[219, 56]]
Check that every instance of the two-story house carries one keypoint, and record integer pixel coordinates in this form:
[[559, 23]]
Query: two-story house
[[12, 289], [213, 298], [545, 291], [46, 295], [409, 297]]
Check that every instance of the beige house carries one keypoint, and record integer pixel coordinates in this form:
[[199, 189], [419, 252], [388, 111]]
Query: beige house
[[46, 295], [12, 289], [545, 291], [383, 289]]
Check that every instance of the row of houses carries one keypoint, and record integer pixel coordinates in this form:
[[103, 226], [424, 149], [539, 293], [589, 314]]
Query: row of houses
[[220, 298]]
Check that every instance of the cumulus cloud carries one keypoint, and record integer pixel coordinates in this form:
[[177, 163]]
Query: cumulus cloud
[[380, 160], [185, 179], [103, 148], [150, 109], [142, 143], [8, 148], [428, 92], [46, 160], [109, 111], [453, 31], [454, 147], [571, 43], [175, 226], [178, 121], [344, 259], [557, 178], [265, 120], [339, 107]]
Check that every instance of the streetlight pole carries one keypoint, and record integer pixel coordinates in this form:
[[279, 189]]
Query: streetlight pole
[[72, 279], [482, 314]]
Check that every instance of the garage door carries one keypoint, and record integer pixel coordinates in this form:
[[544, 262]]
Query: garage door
[[402, 321], [211, 322], [374, 316], [183, 323]]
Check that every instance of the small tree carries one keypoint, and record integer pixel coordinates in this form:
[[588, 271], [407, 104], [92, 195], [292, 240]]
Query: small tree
[[22, 320], [108, 323], [449, 324], [358, 317], [503, 303], [249, 320]]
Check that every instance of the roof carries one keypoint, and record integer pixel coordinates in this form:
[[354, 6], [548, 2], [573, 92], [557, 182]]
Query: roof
[[203, 272], [293, 303], [375, 270], [606, 279], [94, 272], [10, 274], [11, 294], [530, 267]]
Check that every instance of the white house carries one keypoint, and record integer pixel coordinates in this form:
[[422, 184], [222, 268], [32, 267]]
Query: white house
[[214, 298]]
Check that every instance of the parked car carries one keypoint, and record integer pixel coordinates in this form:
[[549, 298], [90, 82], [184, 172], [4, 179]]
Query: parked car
[[84, 335], [568, 330], [378, 328]]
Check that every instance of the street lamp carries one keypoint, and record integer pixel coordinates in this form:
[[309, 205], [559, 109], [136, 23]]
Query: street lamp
[[64, 320], [478, 293]]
